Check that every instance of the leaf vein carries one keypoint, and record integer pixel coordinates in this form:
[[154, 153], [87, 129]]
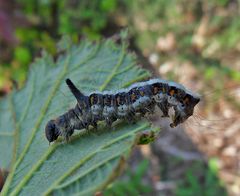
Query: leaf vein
[[99, 164], [114, 70]]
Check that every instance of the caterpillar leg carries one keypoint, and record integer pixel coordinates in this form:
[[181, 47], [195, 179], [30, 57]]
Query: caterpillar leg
[[67, 139], [148, 111], [67, 134], [85, 125], [164, 106], [151, 108], [131, 118], [109, 121], [95, 125]]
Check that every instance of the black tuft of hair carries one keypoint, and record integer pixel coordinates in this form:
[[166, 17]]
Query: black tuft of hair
[[75, 91]]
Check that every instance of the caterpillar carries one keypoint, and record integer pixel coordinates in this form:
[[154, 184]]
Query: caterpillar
[[138, 100]]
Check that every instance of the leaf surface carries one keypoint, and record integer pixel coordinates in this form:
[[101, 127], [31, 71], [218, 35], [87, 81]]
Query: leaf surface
[[90, 160]]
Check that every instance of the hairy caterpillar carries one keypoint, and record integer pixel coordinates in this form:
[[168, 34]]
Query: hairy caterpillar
[[135, 101]]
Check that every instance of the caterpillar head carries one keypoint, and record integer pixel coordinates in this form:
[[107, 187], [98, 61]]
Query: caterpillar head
[[184, 109], [51, 131]]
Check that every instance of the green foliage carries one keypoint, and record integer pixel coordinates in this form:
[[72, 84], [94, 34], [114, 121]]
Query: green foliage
[[48, 20], [229, 38], [22, 55], [159, 17], [90, 16], [133, 184], [89, 161], [207, 185]]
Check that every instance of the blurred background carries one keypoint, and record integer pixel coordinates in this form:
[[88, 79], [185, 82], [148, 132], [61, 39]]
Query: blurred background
[[196, 43]]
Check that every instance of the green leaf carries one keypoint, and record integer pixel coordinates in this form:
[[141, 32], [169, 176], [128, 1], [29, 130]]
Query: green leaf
[[22, 55], [89, 161]]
